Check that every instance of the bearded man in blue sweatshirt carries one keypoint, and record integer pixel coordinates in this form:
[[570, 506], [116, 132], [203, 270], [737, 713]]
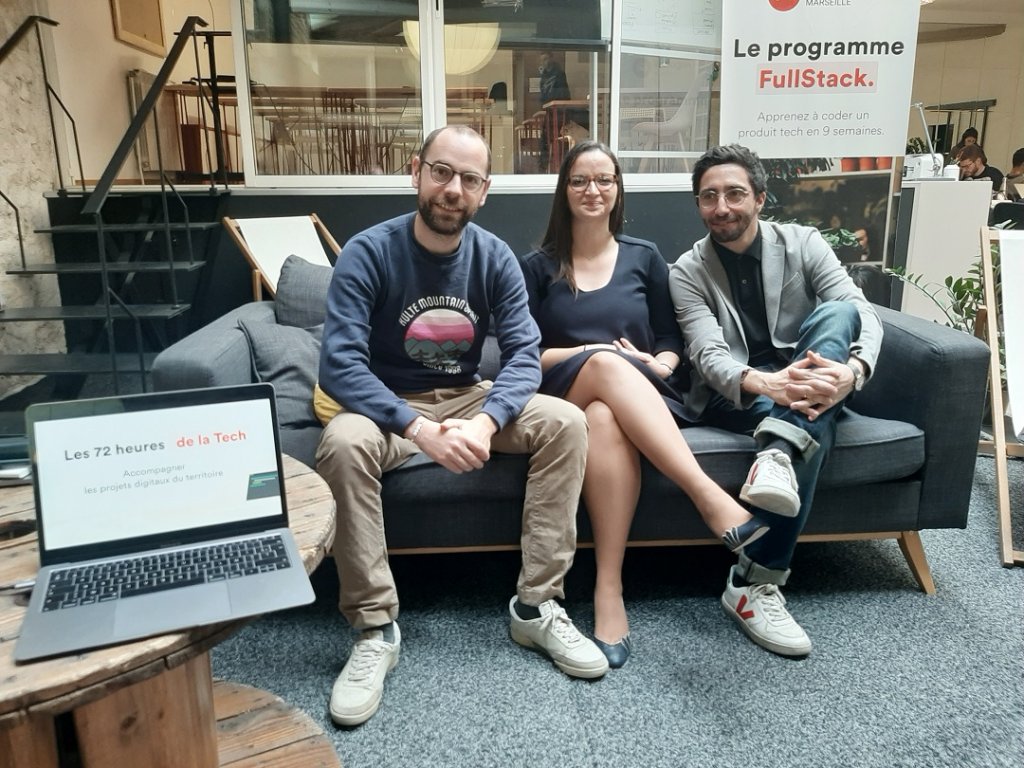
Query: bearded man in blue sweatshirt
[[409, 306]]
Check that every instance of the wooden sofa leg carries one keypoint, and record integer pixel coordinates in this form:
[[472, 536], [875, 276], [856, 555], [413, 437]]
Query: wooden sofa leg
[[913, 551]]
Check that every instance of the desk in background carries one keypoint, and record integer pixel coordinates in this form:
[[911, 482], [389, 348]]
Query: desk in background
[[345, 131]]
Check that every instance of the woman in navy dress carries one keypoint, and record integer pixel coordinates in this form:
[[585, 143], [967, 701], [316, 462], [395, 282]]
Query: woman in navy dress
[[610, 344]]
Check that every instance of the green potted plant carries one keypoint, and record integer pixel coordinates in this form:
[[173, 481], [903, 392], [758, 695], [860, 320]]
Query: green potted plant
[[959, 298], [789, 170], [843, 242], [917, 146]]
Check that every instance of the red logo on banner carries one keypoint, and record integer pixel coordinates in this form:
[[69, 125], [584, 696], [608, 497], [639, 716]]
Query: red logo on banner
[[783, 5]]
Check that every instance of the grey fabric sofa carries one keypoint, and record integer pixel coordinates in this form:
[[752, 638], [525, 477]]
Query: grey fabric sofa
[[903, 460]]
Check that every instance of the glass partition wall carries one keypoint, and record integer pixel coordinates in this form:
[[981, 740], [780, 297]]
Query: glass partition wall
[[342, 92]]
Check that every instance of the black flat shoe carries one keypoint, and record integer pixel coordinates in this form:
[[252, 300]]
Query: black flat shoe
[[616, 653]]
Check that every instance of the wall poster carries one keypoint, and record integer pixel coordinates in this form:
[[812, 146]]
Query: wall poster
[[139, 23]]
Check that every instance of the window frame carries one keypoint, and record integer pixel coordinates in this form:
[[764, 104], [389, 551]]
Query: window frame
[[433, 88]]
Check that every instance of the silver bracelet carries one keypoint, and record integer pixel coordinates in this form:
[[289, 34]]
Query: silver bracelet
[[417, 428]]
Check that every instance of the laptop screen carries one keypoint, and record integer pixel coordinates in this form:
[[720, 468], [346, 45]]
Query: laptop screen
[[155, 467]]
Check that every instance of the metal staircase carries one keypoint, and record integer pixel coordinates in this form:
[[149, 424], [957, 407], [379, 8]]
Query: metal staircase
[[125, 261]]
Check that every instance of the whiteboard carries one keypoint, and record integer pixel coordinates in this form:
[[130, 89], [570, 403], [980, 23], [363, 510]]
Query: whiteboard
[[1011, 260], [673, 23]]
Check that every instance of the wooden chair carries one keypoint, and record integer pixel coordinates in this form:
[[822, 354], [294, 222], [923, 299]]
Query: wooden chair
[[266, 242], [529, 136]]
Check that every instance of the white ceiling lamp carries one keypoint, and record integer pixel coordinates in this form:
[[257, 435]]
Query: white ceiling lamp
[[926, 2], [467, 47]]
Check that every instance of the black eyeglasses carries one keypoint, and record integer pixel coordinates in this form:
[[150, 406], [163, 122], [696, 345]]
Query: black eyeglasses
[[443, 173], [603, 181], [734, 198]]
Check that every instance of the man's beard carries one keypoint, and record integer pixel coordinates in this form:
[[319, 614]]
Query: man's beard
[[729, 231], [450, 224]]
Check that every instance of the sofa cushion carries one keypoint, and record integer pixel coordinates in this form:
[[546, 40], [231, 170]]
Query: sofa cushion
[[301, 296], [288, 358], [867, 450]]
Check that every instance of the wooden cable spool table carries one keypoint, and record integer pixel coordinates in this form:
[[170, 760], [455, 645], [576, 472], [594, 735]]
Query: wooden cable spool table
[[151, 702]]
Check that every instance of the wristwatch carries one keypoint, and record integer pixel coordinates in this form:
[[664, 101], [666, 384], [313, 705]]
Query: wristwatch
[[858, 376]]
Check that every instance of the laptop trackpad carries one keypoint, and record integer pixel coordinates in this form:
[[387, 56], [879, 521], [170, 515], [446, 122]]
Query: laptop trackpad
[[174, 609]]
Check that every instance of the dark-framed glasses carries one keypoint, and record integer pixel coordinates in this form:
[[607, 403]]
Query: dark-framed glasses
[[603, 181], [734, 198], [443, 173]]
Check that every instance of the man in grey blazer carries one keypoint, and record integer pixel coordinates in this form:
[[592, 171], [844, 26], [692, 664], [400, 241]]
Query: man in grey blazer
[[779, 337]]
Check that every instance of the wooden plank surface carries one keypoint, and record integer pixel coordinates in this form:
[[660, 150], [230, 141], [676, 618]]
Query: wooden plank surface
[[256, 728], [31, 743], [60, 684], [163, 722]]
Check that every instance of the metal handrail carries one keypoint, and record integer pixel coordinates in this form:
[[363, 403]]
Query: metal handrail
[[17, 221], [74, 134], [95, 201], [30, 23], [138, 340]]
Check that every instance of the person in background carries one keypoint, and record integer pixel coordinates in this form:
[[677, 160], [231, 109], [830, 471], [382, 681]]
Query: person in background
[[408, 308], [864, 240], [610, 345], [967, 139], [553, 83], [554, 86], [779, 337], [1014, 182], [974, 167]]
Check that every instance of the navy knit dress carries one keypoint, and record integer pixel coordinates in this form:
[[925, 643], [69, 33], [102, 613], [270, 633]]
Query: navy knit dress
[[635, 305]]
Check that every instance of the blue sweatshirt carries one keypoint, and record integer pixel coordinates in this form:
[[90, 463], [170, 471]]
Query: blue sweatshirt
[[402, 320]]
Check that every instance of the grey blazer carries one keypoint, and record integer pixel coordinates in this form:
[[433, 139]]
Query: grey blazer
[[799, 271]]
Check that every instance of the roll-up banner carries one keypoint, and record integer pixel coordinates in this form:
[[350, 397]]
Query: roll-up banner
[[818, 78]]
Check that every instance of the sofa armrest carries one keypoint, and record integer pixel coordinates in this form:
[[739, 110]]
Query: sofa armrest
[[215, 355], [934, 377]]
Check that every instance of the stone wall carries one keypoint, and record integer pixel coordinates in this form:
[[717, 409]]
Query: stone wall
[[28, 170]]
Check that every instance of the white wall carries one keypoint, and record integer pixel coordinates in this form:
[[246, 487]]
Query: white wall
[[992, 68], [92, 66]]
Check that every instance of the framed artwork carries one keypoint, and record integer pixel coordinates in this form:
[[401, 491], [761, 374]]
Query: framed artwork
[[139, 23]]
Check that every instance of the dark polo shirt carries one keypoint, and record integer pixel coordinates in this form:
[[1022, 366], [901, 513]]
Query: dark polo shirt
[[744, 273]]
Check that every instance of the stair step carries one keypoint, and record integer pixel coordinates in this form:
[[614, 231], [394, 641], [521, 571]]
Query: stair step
[[92, 312], [75, 362], [175, 226], [49, 268]]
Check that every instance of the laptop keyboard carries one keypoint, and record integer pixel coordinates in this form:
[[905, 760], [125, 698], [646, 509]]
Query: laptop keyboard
[[130, 577]]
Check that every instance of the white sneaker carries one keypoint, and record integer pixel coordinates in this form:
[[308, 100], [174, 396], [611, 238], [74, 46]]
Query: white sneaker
[[771, 484], [357, 691], [760, 610], [556, 635]]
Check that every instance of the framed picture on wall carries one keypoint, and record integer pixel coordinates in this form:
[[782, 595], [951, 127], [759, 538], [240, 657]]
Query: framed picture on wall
[[139, 23]]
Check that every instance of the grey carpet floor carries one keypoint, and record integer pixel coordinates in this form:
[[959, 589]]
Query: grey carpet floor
[[897, 678]]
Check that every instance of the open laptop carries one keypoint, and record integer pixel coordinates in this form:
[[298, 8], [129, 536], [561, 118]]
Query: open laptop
[[157, 512]]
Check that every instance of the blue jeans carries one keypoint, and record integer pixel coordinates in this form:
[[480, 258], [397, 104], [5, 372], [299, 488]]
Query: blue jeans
[[828, 330]]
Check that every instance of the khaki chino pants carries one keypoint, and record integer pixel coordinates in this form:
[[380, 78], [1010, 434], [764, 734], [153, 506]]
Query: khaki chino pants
[[354, 453]]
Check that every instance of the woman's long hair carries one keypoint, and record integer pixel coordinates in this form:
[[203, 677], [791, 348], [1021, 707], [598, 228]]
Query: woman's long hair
[[557, 241]]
